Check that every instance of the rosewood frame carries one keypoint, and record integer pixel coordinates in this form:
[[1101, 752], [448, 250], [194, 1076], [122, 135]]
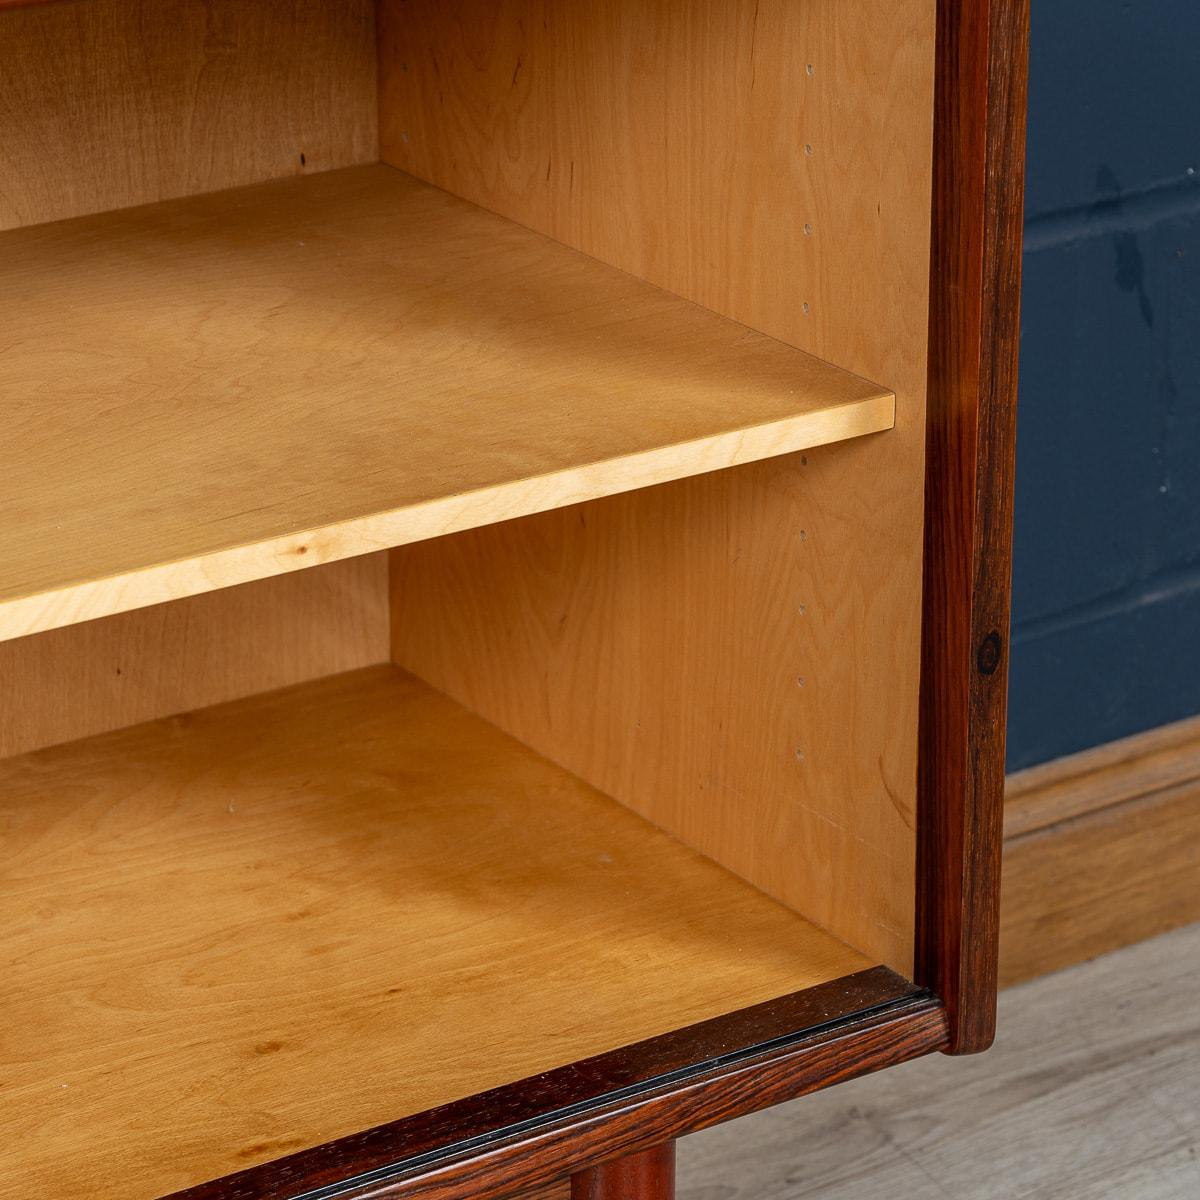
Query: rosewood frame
[[978, 205]]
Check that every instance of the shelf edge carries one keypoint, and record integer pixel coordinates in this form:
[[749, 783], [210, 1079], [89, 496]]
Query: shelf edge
[[212, 571]]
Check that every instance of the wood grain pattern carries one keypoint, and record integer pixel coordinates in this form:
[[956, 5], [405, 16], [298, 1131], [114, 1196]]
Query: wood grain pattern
[[1088, 1094], [1080, 784], [560, 1189], [1093, 883], [522, 1137], [263, 926], [771, 161], [272, 377], [974, 335], [31, 3], [118, 671], [754, 157], [1101, 849], [111, 103], [685, 605]]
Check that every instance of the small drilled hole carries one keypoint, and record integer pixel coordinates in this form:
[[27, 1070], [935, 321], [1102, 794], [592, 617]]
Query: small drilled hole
[[799, 680], [808, 149], [807, 228], [809, 68], [799, 755], [806, 308]]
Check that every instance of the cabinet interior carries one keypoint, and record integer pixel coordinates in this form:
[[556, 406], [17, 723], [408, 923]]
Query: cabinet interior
[[460, 547]]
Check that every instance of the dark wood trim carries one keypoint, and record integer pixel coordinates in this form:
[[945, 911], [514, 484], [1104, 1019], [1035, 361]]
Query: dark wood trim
[[647, 1175], [979, 138], [531, 1133], [560, 1189]]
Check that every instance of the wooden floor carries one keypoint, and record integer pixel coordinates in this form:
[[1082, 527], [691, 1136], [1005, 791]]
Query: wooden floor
[[1092, 1092]]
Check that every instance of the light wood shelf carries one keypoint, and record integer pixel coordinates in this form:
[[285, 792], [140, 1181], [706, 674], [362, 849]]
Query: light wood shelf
[[264, 925], [206, 391]]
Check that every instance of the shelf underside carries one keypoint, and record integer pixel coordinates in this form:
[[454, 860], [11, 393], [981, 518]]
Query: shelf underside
[[206, 391], [252, 929]]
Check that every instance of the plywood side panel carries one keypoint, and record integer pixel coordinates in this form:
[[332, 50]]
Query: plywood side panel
[[772, 161], [120, 102], [722, 682], [766, 158], [118, 671]]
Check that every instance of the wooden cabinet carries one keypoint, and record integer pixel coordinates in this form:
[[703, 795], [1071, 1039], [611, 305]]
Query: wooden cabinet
[[504, 539]]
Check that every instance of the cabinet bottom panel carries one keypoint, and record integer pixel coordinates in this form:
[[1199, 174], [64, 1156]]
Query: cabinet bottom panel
[[250, 930]]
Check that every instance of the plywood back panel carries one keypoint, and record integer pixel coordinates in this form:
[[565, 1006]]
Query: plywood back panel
[[112, 103], [770, 159], [154, 662]]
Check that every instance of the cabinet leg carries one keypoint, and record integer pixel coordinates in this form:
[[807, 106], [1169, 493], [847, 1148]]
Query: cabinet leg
[[647, 1175]]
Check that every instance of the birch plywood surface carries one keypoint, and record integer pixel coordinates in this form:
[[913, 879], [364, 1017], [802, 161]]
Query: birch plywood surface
[[753, 723], [258, 927], [110, 103], [227, 387], [136, 666], [770, 160]]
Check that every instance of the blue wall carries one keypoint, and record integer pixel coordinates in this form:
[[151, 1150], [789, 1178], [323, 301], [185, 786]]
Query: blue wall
[[1106, 585]]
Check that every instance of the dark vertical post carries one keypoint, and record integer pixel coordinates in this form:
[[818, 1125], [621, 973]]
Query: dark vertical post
[[646, 1175], [979, 142]]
